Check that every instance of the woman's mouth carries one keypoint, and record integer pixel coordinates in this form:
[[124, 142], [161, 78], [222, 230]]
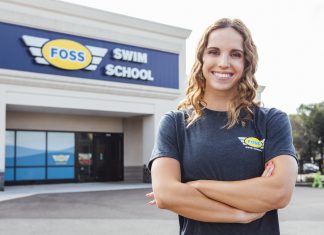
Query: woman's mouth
[[222, 76]]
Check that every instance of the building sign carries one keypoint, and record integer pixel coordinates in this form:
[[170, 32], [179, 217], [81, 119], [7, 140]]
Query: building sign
[[64, 54], [41, 51], [129, 72]]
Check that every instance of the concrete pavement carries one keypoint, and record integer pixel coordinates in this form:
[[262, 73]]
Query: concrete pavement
[[125, 211], [305, 213]]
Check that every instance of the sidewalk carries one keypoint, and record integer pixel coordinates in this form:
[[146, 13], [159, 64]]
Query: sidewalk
[[13, 192]]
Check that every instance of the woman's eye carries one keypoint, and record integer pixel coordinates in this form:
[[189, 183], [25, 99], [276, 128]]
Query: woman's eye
[[213, 52], [236, 55]]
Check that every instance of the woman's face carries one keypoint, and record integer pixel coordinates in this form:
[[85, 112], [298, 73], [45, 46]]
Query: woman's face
[[223, 61]]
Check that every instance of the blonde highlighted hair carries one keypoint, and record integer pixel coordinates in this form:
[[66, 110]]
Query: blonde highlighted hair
[[247, 86]]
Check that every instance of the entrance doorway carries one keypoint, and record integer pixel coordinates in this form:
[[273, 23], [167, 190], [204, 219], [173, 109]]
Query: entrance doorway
[[99, 157]]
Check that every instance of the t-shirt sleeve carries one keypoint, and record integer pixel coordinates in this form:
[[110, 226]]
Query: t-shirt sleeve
[[166, 144], [279, 139]]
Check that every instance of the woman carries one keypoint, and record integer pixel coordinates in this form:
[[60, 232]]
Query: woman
[[222, 163]]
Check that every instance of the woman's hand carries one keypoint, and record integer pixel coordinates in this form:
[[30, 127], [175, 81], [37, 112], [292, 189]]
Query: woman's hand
[[269, 167], [151, 196], [248, 217]]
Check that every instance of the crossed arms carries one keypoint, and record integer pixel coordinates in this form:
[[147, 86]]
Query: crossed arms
[[223, 201]]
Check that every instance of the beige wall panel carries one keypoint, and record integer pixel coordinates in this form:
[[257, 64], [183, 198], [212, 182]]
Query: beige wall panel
[[61, 122], [133, 139]]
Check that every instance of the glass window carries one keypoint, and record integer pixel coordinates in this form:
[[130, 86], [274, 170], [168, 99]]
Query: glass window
[[9, 174], [10, 148], [30, 173], [60, 149], [31, 148], [60, 173]]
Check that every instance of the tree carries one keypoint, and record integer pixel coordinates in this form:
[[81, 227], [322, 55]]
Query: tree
[[300, 137], [308, 130]]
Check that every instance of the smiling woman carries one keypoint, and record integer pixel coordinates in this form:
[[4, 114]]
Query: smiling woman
[[223, 66], [221, 162]]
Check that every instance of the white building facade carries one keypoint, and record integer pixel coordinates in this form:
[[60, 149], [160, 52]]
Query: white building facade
[[82, 91]]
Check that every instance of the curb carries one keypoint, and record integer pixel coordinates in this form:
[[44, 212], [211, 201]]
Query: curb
[[303, 184]]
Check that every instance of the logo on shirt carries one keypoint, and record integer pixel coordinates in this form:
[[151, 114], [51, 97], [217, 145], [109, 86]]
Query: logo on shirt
[[252, 143]]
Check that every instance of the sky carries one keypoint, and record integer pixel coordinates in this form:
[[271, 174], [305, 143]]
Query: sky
[[289, 35]]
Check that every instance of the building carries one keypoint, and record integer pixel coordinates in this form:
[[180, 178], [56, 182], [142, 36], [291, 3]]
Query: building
[[82, 91]]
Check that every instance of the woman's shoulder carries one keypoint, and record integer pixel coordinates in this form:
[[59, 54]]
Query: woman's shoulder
[[271, 117], [175, 113], [176, 117], [268, 113]]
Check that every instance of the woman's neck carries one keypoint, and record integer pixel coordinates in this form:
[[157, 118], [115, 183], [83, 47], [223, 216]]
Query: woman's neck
[[217, 101]]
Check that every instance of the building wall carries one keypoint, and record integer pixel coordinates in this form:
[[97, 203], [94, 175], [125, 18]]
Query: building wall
[[133, 137], [62, 122], [31, 100]]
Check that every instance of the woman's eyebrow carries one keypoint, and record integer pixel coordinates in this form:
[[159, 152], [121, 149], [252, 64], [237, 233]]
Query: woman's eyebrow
[[216, 48], [212, 48], [238, 50]]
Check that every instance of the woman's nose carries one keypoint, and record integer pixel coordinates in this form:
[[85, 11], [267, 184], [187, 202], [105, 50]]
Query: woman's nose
[[223, 61]]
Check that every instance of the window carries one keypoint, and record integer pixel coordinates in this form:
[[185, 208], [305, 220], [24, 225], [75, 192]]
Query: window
[[60, 155], [10, 155], [30, 155]]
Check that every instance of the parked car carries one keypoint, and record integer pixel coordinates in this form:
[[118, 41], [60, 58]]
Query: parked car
[[310, 168]]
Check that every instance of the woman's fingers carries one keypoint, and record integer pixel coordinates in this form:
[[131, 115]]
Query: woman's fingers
[[250, 216], [152, 203], [269, 167], [150, 195]]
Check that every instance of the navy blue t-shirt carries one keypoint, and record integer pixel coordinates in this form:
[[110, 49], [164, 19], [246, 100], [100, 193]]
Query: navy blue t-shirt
[[208, 151]]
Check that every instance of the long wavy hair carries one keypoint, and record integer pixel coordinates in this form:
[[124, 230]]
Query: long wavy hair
[[247, 86]]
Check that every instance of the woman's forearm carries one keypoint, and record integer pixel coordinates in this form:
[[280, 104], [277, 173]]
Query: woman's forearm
[[170, 193], [249, 195], [259, 194], [190, 203]]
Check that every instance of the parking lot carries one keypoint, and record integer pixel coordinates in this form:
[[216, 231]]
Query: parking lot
[[126, 212]]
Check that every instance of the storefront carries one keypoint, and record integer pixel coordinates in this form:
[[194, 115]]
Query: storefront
[[82, 91]]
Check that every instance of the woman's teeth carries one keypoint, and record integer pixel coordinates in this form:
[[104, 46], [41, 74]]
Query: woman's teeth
[[222, 75]]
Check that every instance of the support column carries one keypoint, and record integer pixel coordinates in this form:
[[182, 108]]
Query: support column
[[149, 128], [2, 137], [150, 125]]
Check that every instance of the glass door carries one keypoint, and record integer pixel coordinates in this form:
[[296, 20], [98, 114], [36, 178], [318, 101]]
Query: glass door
[[108, 157], [84, 157], [116, 161], [101, 152]]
